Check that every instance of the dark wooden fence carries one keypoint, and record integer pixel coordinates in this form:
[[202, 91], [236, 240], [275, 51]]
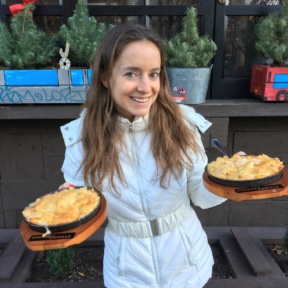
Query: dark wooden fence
[[32, 152]]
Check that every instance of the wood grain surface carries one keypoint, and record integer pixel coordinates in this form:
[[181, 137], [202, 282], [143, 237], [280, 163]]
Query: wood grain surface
[[276, 189]]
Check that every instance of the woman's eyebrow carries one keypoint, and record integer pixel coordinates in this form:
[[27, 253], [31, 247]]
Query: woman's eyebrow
[[138, 68]]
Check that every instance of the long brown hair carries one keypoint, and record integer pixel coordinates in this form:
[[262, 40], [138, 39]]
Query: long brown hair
[[102, 134]]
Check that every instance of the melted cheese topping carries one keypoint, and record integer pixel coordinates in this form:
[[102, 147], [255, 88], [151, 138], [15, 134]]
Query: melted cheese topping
[[48, 232], [68, 205], [247, 167]]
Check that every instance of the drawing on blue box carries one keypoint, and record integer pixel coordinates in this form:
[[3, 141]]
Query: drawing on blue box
[[12, 95]]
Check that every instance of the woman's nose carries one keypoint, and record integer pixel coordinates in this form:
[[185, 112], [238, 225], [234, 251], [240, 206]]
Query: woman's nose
[[144, 84]]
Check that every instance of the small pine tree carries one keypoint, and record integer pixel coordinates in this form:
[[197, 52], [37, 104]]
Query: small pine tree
[[84, 35], [187, 49], [24, 45], [272, 34], [60, 261]]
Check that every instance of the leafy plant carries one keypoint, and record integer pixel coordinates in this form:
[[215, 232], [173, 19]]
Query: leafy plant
[[272, 34], [188, 49], [60, 261], [24, 45], [84, 34]]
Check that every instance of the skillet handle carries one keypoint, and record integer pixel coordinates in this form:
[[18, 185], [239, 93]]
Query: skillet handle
[[216, 144]]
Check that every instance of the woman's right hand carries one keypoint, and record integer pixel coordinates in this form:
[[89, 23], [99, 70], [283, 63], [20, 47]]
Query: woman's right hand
[[66, 185]]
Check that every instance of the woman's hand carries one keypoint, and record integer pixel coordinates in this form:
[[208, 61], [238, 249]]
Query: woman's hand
[[66, 185], [240, 153]]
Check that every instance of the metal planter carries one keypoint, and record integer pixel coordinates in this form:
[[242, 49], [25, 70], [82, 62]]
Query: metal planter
[[189, 85]]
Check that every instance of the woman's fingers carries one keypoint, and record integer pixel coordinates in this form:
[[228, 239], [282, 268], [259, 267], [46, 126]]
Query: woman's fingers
[[240, 153], [66, 185]]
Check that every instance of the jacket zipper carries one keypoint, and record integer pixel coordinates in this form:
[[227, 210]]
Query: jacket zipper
[[143, 202], [136, 166]]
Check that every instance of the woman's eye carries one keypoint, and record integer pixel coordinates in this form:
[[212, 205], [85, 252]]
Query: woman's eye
[[131, 74], [155, 74]]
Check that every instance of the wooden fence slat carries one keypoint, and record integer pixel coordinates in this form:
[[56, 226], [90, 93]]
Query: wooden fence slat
[[21, 157], [219, 130], [2, 222]]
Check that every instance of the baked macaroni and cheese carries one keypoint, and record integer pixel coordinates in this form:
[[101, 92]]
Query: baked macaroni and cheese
[[248, 167], [63, 207]]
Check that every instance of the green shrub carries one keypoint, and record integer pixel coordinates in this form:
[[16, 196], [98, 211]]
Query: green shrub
[[24, 45], [84, 35], [188, 49], [272, 36], [60, 261]]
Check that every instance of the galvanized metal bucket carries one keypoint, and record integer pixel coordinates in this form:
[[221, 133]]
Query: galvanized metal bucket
[[189, 85]]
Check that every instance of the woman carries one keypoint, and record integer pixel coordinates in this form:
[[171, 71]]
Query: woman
[[144, 152]]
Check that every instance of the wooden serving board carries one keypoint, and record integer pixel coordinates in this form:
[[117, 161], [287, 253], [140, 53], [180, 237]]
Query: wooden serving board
[[276, 189], [35, 242]]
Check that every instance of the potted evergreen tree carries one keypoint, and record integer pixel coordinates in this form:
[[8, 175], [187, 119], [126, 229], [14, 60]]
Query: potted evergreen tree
[[270, 82], [26, 50], [84, 35], [188, 61], [26, 53], [24, 46]]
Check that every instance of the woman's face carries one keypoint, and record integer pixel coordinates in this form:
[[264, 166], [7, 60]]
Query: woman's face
[[135, 79]]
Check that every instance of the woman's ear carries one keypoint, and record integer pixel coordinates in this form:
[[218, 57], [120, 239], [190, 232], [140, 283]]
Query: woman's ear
[[104, 82]]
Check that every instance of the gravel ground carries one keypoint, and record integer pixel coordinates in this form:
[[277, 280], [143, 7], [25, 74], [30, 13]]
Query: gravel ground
[[281, 257], [220, 269], [88, 266]]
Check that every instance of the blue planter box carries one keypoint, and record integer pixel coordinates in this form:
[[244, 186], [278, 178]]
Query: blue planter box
[[44, 86]]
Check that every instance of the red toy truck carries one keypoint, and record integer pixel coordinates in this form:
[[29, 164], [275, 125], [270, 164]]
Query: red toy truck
[[269, 83]]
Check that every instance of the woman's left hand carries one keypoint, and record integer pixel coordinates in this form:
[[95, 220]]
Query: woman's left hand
[[240, 153], [66, 185]]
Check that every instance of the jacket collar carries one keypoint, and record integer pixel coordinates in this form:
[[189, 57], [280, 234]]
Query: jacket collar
[[138, 124]]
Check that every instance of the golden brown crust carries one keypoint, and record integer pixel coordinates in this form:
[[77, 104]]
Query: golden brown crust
[[248, 167], [59, 208]]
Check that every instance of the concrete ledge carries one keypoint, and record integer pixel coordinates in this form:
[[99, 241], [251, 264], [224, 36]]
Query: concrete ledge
[[250, 249], [212, 108], [8, 264]]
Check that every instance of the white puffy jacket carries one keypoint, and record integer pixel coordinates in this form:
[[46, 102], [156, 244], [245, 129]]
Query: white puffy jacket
[[179, 256]]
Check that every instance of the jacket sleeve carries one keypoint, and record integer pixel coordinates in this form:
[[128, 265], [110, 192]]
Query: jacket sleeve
[[71, 167], [198, 194]]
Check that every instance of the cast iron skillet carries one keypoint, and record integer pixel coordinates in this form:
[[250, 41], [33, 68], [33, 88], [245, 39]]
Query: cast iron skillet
[[71, 225], [246, 183]]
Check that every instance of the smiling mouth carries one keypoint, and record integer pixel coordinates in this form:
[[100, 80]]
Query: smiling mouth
[[140, 100]]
